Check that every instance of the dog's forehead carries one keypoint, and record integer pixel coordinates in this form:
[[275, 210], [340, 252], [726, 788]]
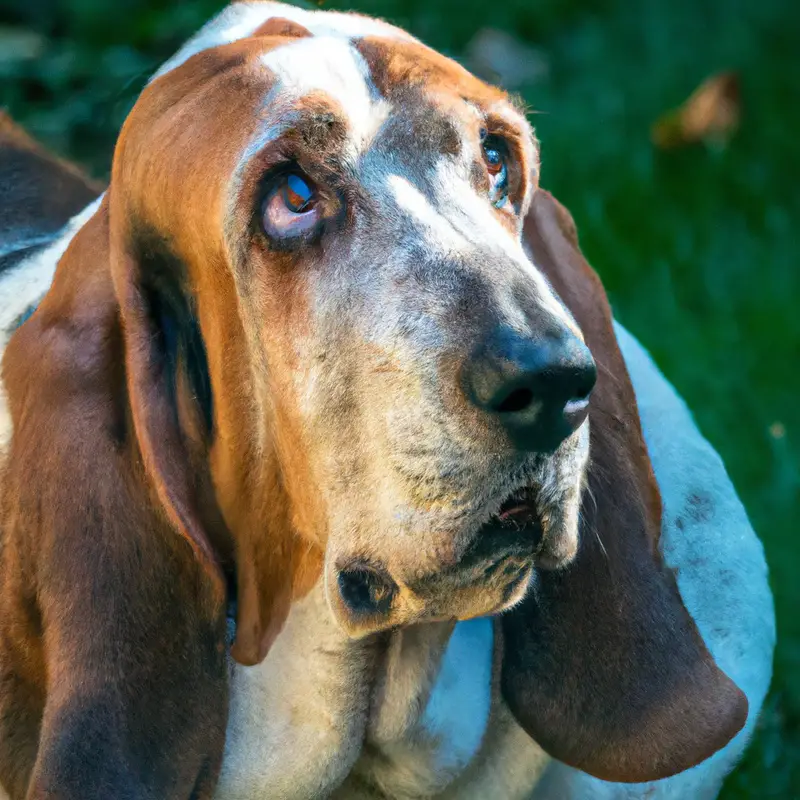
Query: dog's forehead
[[363, 65], [332, 66], [243, 19]]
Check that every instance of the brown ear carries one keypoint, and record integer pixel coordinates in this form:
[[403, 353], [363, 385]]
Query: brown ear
[[603, 666], [241, 513], [145, 288], [225, 493]]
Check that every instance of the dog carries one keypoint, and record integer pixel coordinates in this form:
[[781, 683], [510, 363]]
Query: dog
[[323, 380]]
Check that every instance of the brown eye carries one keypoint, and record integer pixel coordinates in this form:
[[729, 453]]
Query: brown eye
[[290, 208], [494, 156]]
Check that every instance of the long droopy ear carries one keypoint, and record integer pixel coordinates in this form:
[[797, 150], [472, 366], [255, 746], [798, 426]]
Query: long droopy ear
[[152, 304], [212, 442], [603, 666], [235, 516]]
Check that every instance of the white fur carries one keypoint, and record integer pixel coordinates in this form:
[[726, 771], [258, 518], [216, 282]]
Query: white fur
[[439, 233], [24, 286], [240, 20], [297, 720], [478, 223], [458, 708], [333, 66], [457, 221]]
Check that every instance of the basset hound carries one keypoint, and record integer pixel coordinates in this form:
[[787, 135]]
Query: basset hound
[[327, 472]]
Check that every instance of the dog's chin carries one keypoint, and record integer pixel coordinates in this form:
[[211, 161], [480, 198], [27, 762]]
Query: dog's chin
[[529, 531]]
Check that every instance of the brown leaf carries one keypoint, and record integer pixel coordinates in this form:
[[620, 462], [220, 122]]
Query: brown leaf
[[711, 114]]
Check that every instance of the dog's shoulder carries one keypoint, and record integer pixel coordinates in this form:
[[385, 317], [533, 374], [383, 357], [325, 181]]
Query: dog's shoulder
[[41, 200]]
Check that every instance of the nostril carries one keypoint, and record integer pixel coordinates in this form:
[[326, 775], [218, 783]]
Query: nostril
[[585, 383], [535, 387], [365, 590], [516, 401]]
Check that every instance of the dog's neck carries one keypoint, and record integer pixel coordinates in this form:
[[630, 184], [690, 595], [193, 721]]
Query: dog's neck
[[404, 713]]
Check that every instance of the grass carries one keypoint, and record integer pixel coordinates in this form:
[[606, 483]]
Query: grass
[[697, 247]]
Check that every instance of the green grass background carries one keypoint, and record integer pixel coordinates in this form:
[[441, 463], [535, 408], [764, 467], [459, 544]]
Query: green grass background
[[698, 248]]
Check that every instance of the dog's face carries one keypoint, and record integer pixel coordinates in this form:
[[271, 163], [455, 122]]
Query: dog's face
[[417, 388]]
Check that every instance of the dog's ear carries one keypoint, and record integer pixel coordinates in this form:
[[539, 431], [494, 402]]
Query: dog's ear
[[212, 443], [159, 330], [602, 664], [194, 440]]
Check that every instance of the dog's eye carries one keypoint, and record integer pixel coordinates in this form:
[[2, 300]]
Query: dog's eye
[[297, 194], [496, 164], [290, 207]]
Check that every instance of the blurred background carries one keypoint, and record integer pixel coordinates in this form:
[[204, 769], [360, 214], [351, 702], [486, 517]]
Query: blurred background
[[670, 128]]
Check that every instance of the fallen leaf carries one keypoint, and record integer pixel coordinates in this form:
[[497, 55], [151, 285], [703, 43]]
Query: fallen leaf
[[777, 430], [711, 114]]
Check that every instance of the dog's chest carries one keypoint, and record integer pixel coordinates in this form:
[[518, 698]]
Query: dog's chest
[[396, 721], [429, 714]]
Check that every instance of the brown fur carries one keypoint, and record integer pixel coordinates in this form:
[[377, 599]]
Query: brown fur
[[278, 26], [48, 191], [40, 191], [94, 581], [397, 65]]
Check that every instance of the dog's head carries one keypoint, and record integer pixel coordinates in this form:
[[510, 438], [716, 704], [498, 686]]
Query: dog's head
[[342, 361], [386, 364]]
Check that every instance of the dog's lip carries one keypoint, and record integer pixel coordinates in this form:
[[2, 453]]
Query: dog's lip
[[515, 527], [519, 507]]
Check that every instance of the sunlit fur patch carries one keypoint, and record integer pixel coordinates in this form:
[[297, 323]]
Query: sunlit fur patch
[[240, 20]]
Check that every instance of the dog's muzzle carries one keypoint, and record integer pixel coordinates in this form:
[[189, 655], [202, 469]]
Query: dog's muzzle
[[534, 392]]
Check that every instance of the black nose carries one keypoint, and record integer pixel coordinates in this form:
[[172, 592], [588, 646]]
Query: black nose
[[537, 388]]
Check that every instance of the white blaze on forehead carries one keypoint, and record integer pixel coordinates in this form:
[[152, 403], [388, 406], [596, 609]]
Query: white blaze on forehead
[[458, 220], [439, 233], [335, 67], [240, 20]]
